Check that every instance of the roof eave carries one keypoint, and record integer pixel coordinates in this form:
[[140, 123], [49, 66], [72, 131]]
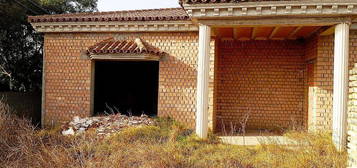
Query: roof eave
[[126, 57], [311, 8], [262, 2], [119, 26]]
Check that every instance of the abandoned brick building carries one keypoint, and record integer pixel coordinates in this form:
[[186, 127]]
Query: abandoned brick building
[[208, 64]]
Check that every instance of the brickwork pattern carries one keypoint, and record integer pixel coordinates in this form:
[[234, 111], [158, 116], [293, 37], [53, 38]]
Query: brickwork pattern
[[211, 87], [311, 48], [310, 97], [323, 84], [262, 78], [352, 109], [323, 90], [68, 76], [323, 79], [178, 74]]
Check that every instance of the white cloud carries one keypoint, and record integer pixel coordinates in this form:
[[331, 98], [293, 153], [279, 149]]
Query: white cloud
[[114, 5]]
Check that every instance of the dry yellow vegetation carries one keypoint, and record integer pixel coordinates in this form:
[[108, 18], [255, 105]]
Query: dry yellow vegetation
[[167, 144]]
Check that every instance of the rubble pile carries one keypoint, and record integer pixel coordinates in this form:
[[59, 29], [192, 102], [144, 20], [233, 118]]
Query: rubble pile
[[105, 125]]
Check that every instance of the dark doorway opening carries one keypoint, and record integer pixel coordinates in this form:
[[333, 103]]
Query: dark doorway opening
[[127, 87]]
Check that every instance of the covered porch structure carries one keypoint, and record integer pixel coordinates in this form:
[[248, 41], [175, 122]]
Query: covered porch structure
[[265, 66], [262, 77]]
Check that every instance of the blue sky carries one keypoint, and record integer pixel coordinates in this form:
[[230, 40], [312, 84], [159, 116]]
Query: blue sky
[[113, 5]]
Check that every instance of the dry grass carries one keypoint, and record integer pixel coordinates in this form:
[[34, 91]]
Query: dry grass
[[167, 144]]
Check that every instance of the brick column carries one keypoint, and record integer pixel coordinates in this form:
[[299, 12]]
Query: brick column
[[202, 81], [340, 85], [43, 97]]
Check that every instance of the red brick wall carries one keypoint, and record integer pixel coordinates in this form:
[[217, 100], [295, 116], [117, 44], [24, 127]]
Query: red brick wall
[[311, 48], [68, 77], [322, 84], [311, 89], [177, 80], [323, 78], [325, 84], [352, 110], [263, 78]]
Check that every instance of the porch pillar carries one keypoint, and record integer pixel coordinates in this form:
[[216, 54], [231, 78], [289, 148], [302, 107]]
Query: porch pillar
[[340, 85], [202, 81]]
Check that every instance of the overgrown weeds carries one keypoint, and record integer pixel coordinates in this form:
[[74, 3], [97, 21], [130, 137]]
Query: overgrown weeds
[[167, 144]]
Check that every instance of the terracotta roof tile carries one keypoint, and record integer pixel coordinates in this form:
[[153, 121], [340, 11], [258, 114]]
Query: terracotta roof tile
[[111, 46], [131, 15]]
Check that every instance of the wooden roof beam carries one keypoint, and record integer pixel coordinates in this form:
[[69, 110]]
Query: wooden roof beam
[[235, 33], [329, 31], [275, 30], [254, 32], [316, 30], [214, 33], [293, 33]]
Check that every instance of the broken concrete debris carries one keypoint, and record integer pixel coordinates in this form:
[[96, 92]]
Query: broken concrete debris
[[104, 125]]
